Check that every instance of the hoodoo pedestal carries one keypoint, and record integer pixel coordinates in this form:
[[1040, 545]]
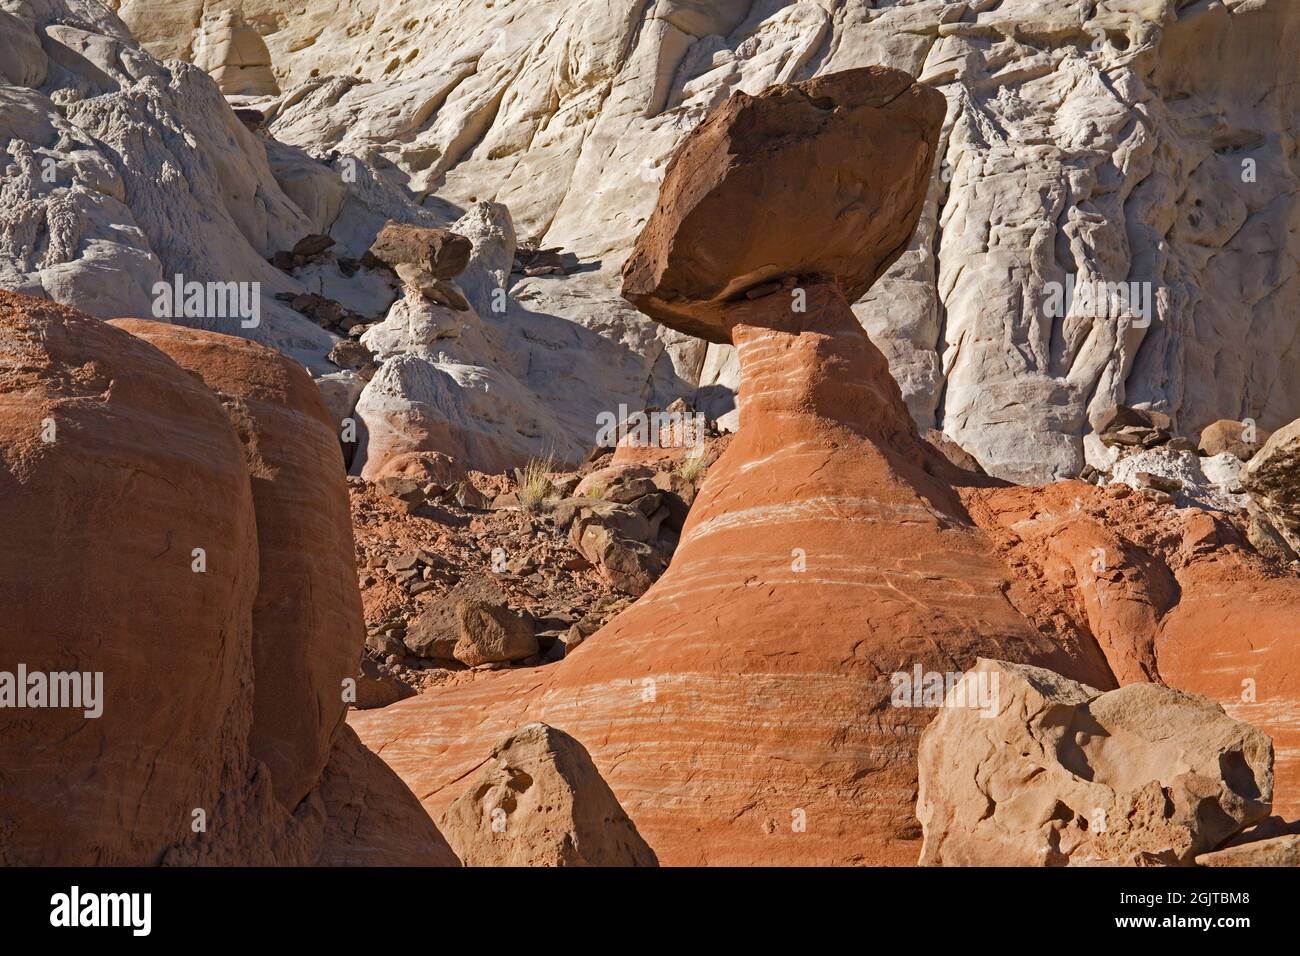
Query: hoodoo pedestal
[[744, 709]]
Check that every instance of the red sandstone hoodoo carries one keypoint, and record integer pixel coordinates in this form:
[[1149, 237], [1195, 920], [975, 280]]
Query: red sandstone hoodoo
[[740, 709]]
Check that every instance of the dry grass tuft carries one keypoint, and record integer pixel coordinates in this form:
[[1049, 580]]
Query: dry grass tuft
[[692, 468], [536, 490]]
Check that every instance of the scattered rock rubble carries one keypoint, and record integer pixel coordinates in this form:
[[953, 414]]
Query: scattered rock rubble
[[1235, 466], [457, 576]]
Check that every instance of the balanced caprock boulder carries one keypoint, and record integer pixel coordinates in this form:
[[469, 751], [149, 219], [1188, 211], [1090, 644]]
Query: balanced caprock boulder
[[747, 708], [824, 177]]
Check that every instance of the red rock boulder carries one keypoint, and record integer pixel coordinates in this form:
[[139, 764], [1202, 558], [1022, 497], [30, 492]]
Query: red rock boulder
[[307, 620], [131, 552]]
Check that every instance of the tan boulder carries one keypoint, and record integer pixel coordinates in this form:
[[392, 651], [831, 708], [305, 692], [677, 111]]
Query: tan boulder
[[821, 178], [630, 566], [426, 467], [1228, 435], [371, 818], [623, 520], [307, 621], [614, 535], [540, 801], [596, 483], [1057, 773]]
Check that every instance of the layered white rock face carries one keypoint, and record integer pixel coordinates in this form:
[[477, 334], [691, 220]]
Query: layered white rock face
[[1134, 141], [121, 171], [234, 54]]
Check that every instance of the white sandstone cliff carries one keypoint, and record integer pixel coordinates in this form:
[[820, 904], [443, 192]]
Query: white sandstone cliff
[[1143, 141]]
